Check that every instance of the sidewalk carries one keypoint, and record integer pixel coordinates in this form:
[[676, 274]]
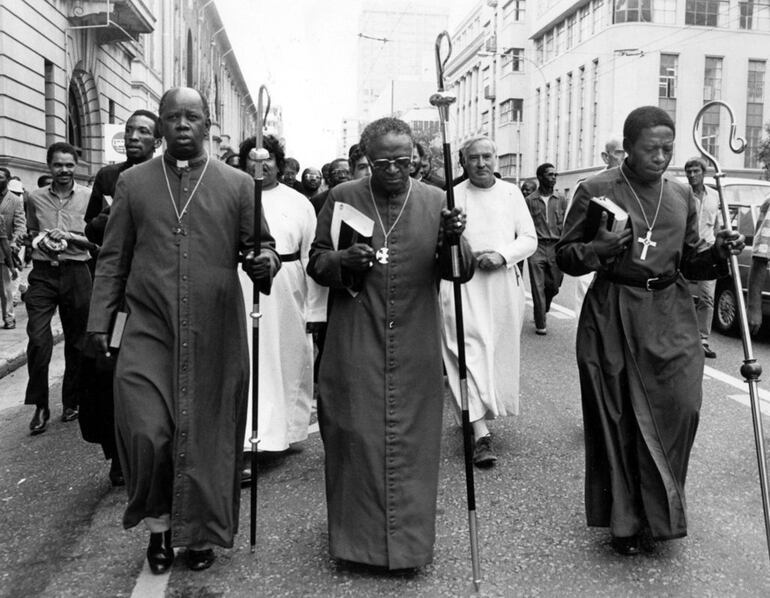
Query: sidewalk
[[13, 343]]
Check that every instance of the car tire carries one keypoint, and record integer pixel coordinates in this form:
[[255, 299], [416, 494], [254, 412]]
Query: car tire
[[726, 309]]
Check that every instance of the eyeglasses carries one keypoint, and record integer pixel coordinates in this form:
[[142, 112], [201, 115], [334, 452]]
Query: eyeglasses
[[383, 163]]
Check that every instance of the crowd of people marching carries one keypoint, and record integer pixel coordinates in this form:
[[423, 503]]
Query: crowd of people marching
[[153, 268]]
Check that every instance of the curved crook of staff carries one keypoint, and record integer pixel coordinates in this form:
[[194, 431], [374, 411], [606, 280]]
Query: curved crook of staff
[[259, 154], [750, 369], [442, 100]]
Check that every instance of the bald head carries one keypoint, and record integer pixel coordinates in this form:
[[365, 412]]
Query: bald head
[[613, 153]]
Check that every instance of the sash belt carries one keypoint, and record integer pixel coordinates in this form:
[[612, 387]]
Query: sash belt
[[290, 257], [655, 283]]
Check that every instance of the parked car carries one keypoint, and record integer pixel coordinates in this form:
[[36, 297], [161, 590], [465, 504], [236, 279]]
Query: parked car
[[744, 199]]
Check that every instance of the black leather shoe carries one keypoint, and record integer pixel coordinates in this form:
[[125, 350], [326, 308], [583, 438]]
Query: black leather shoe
[[198, 560], [39, 421], [627, 546], [160, 555], [116, 473], [69, 415], [483, 455]]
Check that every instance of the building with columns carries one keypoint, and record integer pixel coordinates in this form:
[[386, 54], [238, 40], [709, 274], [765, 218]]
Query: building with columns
[[69, 67], [577, 68]]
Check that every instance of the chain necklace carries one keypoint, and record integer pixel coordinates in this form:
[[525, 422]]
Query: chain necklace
[[179, 229], [382, 252], [646, 241]]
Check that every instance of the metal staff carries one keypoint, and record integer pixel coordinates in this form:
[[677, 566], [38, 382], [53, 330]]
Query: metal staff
[[259, 154], [750, 369], [442, 101]]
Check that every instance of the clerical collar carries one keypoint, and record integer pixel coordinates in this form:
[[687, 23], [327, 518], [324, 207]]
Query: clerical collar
[[180, 164]]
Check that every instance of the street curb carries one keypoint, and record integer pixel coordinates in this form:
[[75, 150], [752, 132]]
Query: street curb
[[13, 363]]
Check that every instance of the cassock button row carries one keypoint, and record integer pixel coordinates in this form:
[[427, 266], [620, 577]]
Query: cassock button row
[[390, 324], [184, 389], [184, 322], [184, 411], [184, 276], [184, 344], [181, 455], [184, 255]]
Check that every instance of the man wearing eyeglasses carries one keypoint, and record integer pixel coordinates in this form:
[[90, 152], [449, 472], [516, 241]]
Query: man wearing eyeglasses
[[339, 172], [547, 208], [380, 382]]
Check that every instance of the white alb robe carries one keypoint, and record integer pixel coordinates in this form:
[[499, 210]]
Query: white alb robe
[[493, 301], [285, 348]]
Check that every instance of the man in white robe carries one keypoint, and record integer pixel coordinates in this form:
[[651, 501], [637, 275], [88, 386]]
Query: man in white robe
[[295, 304], [501, 232]]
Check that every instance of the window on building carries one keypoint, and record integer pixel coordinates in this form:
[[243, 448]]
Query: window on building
[[754, 14], [712, 90], [508, 165], [50, 102], [511, 110], [709, 13], [111, 111], [667, 82], [514, 10], [755, 99], [712, 79], [559, 42], [581, 113], [547, 120], [557, 120], [548, 45], [485, 122], [569, 155], [74, 121], [597, 19], [512, 61], [632, 11], [664, 12], [570, 31], [585, 23], [539, 57]]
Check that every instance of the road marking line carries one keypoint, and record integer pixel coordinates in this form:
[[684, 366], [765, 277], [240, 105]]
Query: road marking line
[[149, 585]]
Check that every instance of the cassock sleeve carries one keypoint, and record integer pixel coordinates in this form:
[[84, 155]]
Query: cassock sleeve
[[267, 243], [315, 301], [114, 263], [525, 242], [573, 255], [324, 262]]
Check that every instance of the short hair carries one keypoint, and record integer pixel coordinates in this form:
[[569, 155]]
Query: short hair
[[380, 128], [308, 169], [168, 92], [43, 180], [697, 161], [6, 171], [333, 162], [270, 142], [645, 117], [468, 143], [62, 147], [355, 154], [147, 114], [292, 162], [542, 168]]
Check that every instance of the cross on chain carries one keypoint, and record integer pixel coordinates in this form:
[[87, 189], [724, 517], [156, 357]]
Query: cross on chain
[[646, 242]]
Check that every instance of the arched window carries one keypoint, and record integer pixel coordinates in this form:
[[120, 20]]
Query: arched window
[[75, 121]]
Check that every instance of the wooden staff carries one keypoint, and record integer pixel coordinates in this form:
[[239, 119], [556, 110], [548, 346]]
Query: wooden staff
[[259, 154], [442, 101], [750, 369]]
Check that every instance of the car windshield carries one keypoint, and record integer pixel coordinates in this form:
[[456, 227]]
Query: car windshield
[[753, 195]]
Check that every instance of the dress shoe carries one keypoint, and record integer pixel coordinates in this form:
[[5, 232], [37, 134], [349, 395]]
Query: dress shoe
[[39, 421], [627, 545], [160, 554], [245, 476], [198, 560], [708, 352], [116, 473], [483, 455], [69, 414], [541, 331]]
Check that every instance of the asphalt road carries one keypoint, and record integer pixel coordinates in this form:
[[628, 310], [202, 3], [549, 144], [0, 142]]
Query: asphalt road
[[61, 533]]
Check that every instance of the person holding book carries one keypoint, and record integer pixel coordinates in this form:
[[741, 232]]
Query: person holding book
[[547, 208], [638, 350], [381, 246], [501, 232]]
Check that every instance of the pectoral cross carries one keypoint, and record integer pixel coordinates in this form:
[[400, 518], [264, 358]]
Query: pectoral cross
[[646, 242]]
